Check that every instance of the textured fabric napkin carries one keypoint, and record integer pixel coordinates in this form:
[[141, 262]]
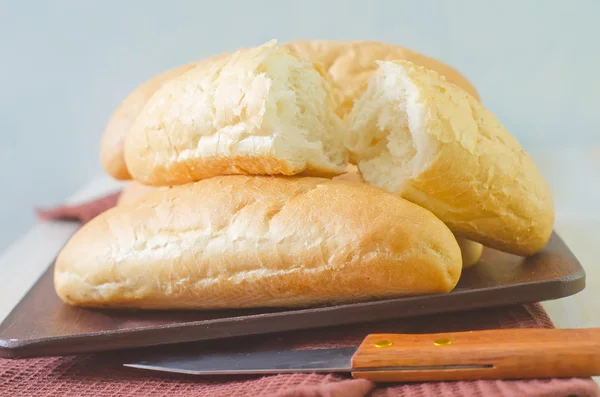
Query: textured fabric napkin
[[103, 374]]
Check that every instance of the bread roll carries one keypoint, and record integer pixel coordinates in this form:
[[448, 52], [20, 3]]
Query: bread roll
[[350, 64], [252, 241], [260, 111], [414, 133], [112, 155]]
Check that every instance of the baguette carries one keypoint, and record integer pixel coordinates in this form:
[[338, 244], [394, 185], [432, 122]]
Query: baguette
[[252, 241], [258, 111], [415, 134]]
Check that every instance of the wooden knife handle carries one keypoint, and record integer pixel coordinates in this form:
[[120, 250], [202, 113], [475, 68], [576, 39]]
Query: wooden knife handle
[[494, 354]]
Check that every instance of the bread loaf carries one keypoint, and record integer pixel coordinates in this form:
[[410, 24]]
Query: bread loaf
[[350, 64], [416, 134], [112, 155], [251, 241], [260, 111]]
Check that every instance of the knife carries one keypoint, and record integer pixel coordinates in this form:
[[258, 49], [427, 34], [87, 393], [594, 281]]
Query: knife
[[490, 354]]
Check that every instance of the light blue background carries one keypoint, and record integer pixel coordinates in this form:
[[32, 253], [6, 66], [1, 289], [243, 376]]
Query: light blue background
[[65, 65]]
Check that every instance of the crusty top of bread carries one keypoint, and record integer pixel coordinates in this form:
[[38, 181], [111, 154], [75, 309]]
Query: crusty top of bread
[[112, 155], [350, 64], [247, 241], [260, 111], [415, 133], [470, 250]]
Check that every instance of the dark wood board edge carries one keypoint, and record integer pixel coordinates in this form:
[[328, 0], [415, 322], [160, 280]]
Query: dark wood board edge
[[310, 318], [303, 319]]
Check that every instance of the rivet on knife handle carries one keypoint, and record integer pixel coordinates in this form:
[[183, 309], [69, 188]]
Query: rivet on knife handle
[[493, 354]]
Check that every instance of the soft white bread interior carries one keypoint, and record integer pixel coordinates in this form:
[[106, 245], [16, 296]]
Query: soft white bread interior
[[471, 251], [253, 241], [112, 156], [258, 111], [350, 64], [414, 133]]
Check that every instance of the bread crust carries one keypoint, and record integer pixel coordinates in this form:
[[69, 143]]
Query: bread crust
[[251, 241], [470, 250]]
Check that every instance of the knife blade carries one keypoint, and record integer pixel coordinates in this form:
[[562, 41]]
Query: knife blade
[[472, 355]]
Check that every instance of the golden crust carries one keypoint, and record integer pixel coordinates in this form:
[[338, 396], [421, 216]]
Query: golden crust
[[471, 251], [259, 111], [251, 241]]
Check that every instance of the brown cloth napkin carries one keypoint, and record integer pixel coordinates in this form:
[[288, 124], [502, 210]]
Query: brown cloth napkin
[[103, 374]]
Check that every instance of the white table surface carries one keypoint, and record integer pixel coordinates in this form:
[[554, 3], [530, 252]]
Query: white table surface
[[573, 174]]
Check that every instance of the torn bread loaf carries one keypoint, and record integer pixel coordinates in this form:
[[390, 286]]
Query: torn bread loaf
[[414, 133], [258, 111], [470, 250], [350, 65], [253, 241]]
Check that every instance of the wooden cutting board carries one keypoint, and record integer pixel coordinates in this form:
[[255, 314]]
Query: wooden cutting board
[[42, 325]]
